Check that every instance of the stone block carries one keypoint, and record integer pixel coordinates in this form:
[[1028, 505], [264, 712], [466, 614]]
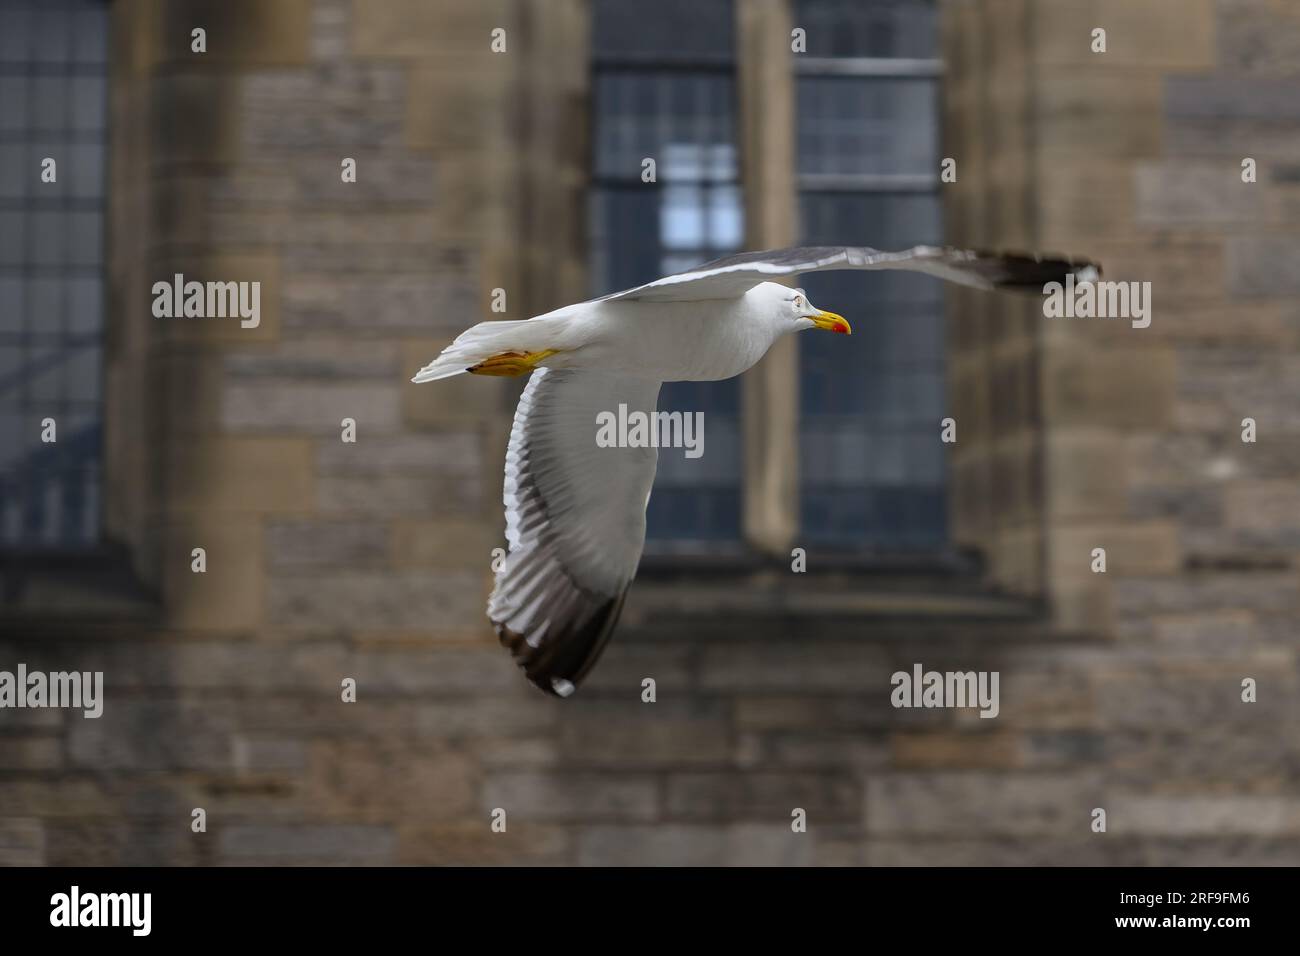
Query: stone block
[[947, 750], [1263, 266], [22, 841], [1087, 473], [575, 797], [228, 476], [240, 33], [377, 601], [1119, 389], [317, 844], [763, 797], [312, 408], [456, 453], [981, 804], [312, 543], [632, 734], [228, 594], [1169, 35], [685, 845]]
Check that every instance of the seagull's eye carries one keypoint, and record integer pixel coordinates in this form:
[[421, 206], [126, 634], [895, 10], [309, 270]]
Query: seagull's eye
[[798, 302]]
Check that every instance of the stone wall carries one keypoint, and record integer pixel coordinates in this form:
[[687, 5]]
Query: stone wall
[[1133, 156], [329, 560]]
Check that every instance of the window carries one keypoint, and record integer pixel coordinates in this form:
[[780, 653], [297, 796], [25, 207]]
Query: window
[[872, 471], [53, 104], [664, 89]]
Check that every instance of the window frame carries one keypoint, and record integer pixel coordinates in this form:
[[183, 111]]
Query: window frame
[[874, 184], [52, 590], [67, 340], [719, 65], [767, 74]]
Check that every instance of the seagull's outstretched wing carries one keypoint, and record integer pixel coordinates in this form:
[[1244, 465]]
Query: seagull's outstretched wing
[[575, 523], [736, 275]]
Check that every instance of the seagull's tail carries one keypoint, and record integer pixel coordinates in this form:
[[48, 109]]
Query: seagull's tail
[[481, 342]]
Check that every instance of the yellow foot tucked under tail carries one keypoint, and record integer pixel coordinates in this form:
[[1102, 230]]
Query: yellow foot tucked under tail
[[511, 363]]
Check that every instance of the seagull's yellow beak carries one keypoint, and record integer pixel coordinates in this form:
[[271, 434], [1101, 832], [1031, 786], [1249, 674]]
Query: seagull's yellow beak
[[832, 323]]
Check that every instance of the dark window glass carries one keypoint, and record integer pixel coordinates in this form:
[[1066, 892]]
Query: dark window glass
[[663, 31], [867, 125], [895, 29], [871, 471], [664, 88], [53, 103]]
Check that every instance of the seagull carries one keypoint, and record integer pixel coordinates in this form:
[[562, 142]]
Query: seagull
[[575, 511]]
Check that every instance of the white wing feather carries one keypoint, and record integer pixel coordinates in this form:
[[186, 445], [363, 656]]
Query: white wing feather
[[575, 523]]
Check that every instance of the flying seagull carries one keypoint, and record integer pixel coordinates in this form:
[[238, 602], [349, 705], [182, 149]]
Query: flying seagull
[[575, 511]]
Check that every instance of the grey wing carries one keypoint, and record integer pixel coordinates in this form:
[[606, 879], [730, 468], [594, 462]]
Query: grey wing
[[735, 275], [575, 523]]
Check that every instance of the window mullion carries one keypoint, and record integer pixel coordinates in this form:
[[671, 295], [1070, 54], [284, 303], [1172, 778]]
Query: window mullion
[[769, 391]]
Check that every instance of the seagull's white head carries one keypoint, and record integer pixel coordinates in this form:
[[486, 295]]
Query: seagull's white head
[[792, 312]]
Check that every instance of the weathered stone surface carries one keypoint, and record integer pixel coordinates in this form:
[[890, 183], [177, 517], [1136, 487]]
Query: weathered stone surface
[[402, 179], [371, 601], [310, 408], [574, 797], [1236, 97], [325, 359], [1170, 702], [22, 842], [240, 33], [774, 667], [448, 453], [1118, 389], [1264, 266], [125, 737], [317, 844], [1172, 192], [953, 750], [1269, 591], [473, 843], [824, 750], [670, 845], [521, 715], [233, 475], [632, 734], [759, 797], [393, 305], [327, 544], [1258, 37], [422, 782], [429, 29], [31, 753], [349, 106], [981, 804], [399, 496], [1159, 35], [227, 593], [1193, 816]]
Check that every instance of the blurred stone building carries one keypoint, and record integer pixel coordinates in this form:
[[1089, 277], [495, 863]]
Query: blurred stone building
[[481, 169]]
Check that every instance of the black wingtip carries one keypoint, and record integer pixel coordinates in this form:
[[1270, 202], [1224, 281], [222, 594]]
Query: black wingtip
[[1021, 272], [562, 659]]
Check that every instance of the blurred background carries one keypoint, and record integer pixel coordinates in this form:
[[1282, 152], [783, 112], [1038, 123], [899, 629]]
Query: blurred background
[[521, 170]]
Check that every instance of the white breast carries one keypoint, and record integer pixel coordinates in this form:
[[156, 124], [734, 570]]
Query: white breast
[[671, 341]]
